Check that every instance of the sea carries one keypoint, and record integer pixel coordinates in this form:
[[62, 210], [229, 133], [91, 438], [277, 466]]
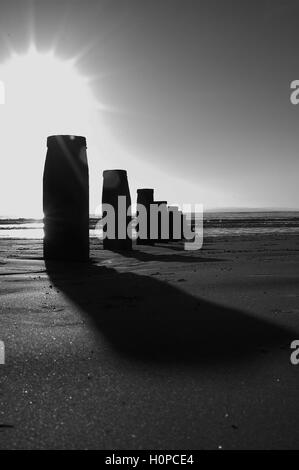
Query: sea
[[215, 224]]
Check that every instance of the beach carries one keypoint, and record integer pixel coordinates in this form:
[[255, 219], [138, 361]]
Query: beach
[[154, 349]]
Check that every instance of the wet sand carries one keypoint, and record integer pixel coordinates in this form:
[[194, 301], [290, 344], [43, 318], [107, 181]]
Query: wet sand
[[160, 349]]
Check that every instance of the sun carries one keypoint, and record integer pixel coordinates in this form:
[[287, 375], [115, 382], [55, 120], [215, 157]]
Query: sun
[[41, 95], [46, 94]]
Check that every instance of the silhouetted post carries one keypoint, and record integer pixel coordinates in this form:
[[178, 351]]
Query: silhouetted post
[[183, 222], [188, 227], [115, 185], [66, 199], [187, 233], [146, 198], [162, 205], [174, 218]]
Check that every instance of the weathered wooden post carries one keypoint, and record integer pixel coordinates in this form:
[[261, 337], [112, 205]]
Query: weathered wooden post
[[146, 198], [116, 193], [66, 199], [175, 223], [162, 205]]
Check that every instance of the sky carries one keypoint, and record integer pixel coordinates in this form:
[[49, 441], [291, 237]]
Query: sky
[[192, 97]]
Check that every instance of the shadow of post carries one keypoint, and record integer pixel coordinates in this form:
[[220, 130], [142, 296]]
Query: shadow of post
[[148, 319], [170, 256]]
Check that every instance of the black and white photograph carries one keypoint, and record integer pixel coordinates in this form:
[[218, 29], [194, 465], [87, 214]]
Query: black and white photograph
[[149, 228]]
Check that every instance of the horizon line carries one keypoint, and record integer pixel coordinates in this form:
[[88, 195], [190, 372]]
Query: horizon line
[[212, 209]]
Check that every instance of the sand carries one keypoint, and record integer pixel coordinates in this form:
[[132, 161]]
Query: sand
[[160, 349]]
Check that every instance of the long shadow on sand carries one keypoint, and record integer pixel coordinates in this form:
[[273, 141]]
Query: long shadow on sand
[[184, 257], [148, 319]]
